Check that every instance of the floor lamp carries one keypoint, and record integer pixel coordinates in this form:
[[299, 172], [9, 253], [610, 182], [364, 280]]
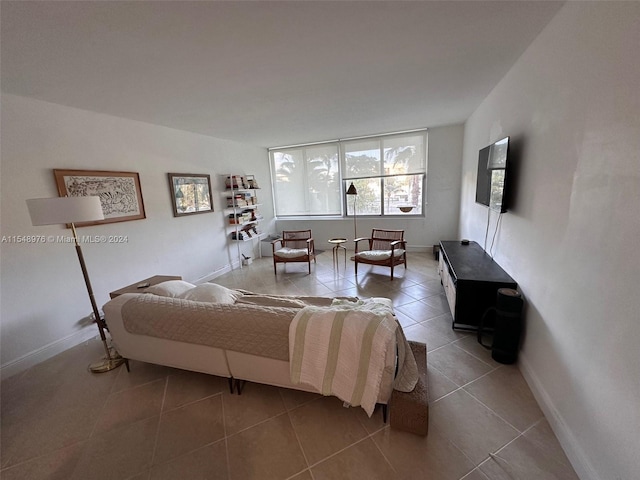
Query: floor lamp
[[353, 191], [72, 210]]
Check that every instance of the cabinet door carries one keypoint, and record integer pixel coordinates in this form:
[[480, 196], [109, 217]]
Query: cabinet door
[[450, 290], [447, 283]]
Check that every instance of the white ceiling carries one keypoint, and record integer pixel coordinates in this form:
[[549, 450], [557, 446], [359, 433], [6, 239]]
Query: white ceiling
[[268, 73]]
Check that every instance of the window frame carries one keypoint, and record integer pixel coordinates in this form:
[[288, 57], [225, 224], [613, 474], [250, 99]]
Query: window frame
[[344, 180]]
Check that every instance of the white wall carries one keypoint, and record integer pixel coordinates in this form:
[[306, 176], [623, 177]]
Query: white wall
[[571, 105], [43, 295], [443, 202]]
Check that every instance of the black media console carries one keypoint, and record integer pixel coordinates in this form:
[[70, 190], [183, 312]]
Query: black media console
[[471, 280]]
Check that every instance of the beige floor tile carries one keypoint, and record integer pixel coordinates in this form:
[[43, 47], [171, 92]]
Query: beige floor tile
[[420, 291], [206, 463], [132, 405], [335, 283], [419, 311], [534, 455], [372, 423], [459, 366], [438, 304], [404, 320], [399, 298], [53, 405], [349, 292], [145, 475], [470, 345], [471, 426], [439, 385], [373, 286], [441, 326], [60, 425], [360, 461], [57, 465], [256, 404], [306, 475], [317, 289], [419, 333], [189, 427], [506, 392], [119, 453], [294, 398], [324, 427], [476, 474], [268, 451], [414, 456], [185, 387], [434, 284], [543, 438], [141, 373]]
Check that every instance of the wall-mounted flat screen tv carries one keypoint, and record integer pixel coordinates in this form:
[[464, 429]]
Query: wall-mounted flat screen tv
[[493, 165]]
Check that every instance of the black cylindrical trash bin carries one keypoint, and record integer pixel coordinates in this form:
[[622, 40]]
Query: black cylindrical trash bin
[[505, 322], [508, 326]]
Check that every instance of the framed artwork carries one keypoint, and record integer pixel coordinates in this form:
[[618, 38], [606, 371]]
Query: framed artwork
[[120, 193], [190, 193]]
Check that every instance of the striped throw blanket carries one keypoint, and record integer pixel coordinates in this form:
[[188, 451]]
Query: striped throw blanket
[[341, 350]]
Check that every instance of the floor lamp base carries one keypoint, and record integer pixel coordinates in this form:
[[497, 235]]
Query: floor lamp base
[[107, 363]]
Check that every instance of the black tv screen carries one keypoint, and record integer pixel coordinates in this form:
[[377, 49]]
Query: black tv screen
[[492, 175]]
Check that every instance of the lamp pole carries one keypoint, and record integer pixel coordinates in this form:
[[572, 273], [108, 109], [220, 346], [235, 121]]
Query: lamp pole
[[72, 210], [353, 191]]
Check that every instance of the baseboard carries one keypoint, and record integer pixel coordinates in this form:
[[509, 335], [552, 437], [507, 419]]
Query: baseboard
[[27, 361], [216, 273], [568, 441]]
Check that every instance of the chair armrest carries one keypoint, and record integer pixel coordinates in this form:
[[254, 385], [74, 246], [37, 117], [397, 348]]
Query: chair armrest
[[397, 243], [360, 239], [273, 244]]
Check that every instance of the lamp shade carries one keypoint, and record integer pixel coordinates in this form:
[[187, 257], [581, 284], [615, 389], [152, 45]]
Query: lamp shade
[[352, 190], [51, 211]]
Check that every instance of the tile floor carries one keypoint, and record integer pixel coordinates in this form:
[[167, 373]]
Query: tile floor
[[61, 422]]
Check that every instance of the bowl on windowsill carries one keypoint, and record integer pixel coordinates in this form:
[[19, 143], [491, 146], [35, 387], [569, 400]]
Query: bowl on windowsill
[[406, 208]]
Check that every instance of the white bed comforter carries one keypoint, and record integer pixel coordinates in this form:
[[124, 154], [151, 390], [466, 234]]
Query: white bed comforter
[[341, 350]]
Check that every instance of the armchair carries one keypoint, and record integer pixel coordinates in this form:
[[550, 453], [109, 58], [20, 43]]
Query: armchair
[[387, 248], [294, 246]]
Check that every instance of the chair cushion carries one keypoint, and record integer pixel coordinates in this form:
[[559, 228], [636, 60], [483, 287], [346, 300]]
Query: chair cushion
[[379, 255], [287, 252]]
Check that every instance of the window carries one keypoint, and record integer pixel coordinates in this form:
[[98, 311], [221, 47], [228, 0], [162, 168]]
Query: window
[[388, 171], [306, 180]]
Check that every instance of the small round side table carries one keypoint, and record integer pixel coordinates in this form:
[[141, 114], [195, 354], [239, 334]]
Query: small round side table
[[337, 246]]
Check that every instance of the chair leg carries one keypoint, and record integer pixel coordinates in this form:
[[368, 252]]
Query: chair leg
[[275, 271], [392, 271], [356, 262]]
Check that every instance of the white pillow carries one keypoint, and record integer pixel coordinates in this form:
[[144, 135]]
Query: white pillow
[[170, 288], [211, 292]]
